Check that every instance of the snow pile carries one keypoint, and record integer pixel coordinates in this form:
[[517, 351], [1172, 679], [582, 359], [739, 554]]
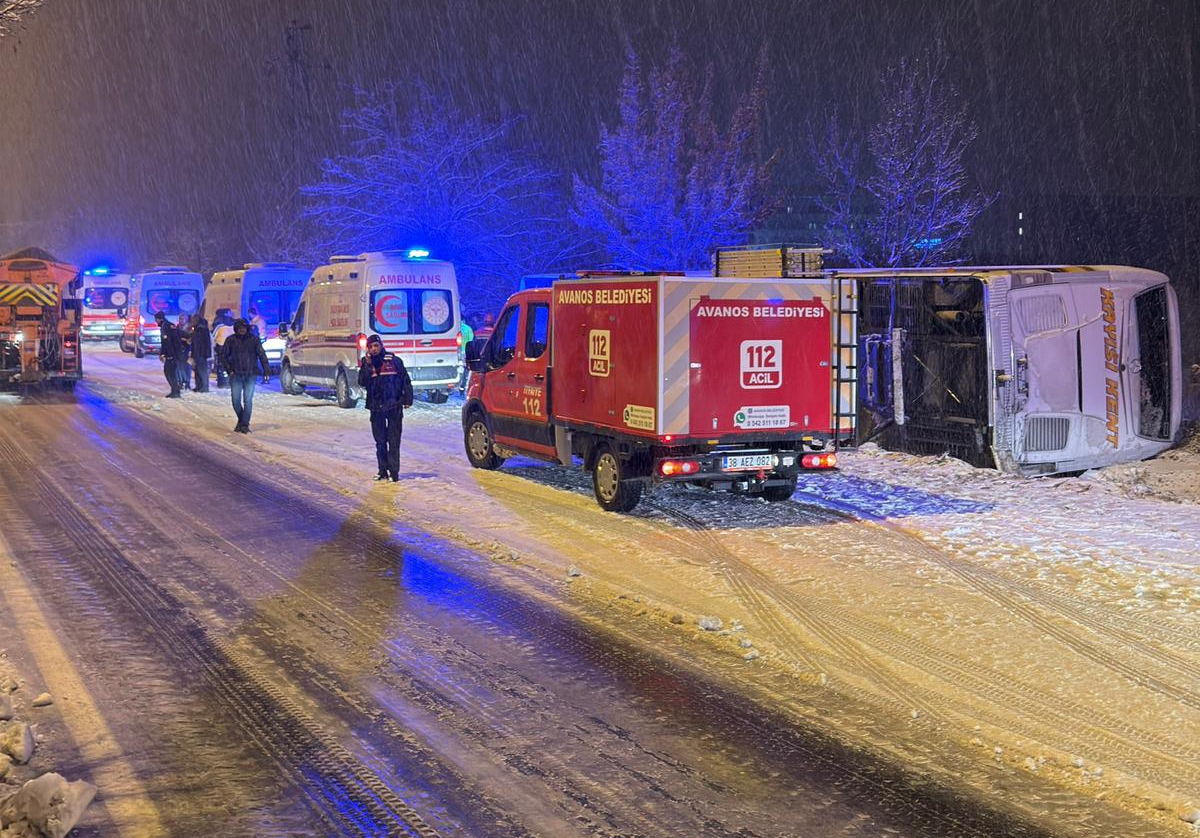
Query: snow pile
[[47, 806]]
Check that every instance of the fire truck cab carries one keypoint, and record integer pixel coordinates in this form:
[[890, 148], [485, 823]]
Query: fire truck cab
[[39, 320], [648, 379]]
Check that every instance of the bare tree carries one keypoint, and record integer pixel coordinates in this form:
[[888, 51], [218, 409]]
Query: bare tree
[[674, 184], [419, 172], [11, 13], [906, 198]]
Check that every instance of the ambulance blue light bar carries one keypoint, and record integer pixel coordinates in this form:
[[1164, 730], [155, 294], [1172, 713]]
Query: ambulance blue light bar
[[417, 253]]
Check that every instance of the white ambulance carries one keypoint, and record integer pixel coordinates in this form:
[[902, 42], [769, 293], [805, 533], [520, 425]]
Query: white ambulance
[[173, 290], [409, 300], [270, 290]]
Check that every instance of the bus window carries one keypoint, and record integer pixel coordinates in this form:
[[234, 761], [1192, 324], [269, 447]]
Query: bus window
[[1154, 359]]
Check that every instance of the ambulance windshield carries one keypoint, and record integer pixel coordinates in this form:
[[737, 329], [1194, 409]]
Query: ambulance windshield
[[172, 301]]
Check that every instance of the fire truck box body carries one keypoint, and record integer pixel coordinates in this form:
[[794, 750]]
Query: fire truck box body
[[726, 382]]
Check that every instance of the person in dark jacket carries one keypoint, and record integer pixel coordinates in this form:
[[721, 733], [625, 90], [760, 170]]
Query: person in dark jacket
[[182, 368], [201, 351], [389, 390], [169, 351], [242, 354], [222, 328]]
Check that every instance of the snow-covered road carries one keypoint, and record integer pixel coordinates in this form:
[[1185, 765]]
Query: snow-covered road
[[1030, 644]]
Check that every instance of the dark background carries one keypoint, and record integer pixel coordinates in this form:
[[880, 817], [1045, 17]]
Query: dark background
[[130, 129]]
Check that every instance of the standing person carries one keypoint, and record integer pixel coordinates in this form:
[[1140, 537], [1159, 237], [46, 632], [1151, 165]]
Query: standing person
[[389, 391], [201, 351], [182, 368], [243, 353], [258, 324], [222, 329], [169, 350], [466, 335]]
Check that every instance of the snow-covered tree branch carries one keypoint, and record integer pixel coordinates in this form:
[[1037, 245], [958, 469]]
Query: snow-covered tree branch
[[906, 198], [673, 185], [419, 172]]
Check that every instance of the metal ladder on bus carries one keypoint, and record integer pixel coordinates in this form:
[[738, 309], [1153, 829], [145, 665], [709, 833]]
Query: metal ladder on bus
[[843, 291]]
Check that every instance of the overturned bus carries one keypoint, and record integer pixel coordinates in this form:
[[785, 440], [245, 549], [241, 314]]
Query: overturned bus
[[1033, 370]]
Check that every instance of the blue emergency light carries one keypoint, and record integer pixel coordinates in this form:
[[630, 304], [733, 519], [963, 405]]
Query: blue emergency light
[[417, 253]]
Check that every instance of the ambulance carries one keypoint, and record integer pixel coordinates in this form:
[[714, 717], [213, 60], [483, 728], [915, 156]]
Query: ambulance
[[271, 289], [408, 299], [104, 294], [175, 291], [1034, 370], [647, 379]]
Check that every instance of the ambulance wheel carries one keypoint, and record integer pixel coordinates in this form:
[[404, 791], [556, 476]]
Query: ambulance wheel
[[478, 440], [287, 381], [779, 493], [341, 389], [124, 346], [613, 492], [138, 352], [437, 396]]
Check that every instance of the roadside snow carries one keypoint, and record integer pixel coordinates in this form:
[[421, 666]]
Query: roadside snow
[[952, 616]]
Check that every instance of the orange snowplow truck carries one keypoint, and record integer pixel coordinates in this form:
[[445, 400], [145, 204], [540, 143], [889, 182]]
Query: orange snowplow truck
[[730, 383], [39, 320]]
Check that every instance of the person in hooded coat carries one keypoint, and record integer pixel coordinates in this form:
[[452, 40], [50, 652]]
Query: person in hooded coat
[[243, 354]]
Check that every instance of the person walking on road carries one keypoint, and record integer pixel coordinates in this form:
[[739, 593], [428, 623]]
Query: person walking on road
[[243, 355], [201, 351], [222, 329], [169, 350], [389, 390]]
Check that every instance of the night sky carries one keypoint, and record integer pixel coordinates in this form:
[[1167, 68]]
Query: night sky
[[129, 124]]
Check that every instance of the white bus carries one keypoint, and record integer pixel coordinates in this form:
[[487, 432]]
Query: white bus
[[1034, 370], [269, 290], [410, 301]]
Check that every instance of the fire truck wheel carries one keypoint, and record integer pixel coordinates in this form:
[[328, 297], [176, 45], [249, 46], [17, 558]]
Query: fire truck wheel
[[780, 493], [341, 388], [613, 492], [478, 441]]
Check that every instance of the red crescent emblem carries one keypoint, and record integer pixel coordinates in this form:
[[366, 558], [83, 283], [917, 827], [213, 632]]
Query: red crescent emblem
[[379, 309]]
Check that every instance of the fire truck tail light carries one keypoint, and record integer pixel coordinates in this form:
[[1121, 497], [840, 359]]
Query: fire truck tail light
[[673, 467], [819, 461]]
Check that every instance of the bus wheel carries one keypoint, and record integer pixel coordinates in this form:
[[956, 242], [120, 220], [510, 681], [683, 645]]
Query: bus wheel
[[478, 441], [341, 388], [437, 396], [287, 381], [779, 493], [613, 492]]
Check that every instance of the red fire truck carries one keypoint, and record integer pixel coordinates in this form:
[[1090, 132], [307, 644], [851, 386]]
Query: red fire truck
[[733, 383], [39, 320]]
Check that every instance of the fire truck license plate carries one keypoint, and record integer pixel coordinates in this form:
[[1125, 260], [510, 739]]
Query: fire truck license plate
[[747, 461]]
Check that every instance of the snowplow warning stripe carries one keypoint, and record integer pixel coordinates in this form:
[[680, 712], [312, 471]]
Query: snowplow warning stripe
[[40, 295], [118, 786]]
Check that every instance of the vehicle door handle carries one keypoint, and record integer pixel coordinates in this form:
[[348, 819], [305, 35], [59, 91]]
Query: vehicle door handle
[[511, 376], [539, 377]]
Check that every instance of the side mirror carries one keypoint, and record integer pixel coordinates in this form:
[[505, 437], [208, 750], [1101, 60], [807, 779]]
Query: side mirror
[[283, 330], [474, 352]]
